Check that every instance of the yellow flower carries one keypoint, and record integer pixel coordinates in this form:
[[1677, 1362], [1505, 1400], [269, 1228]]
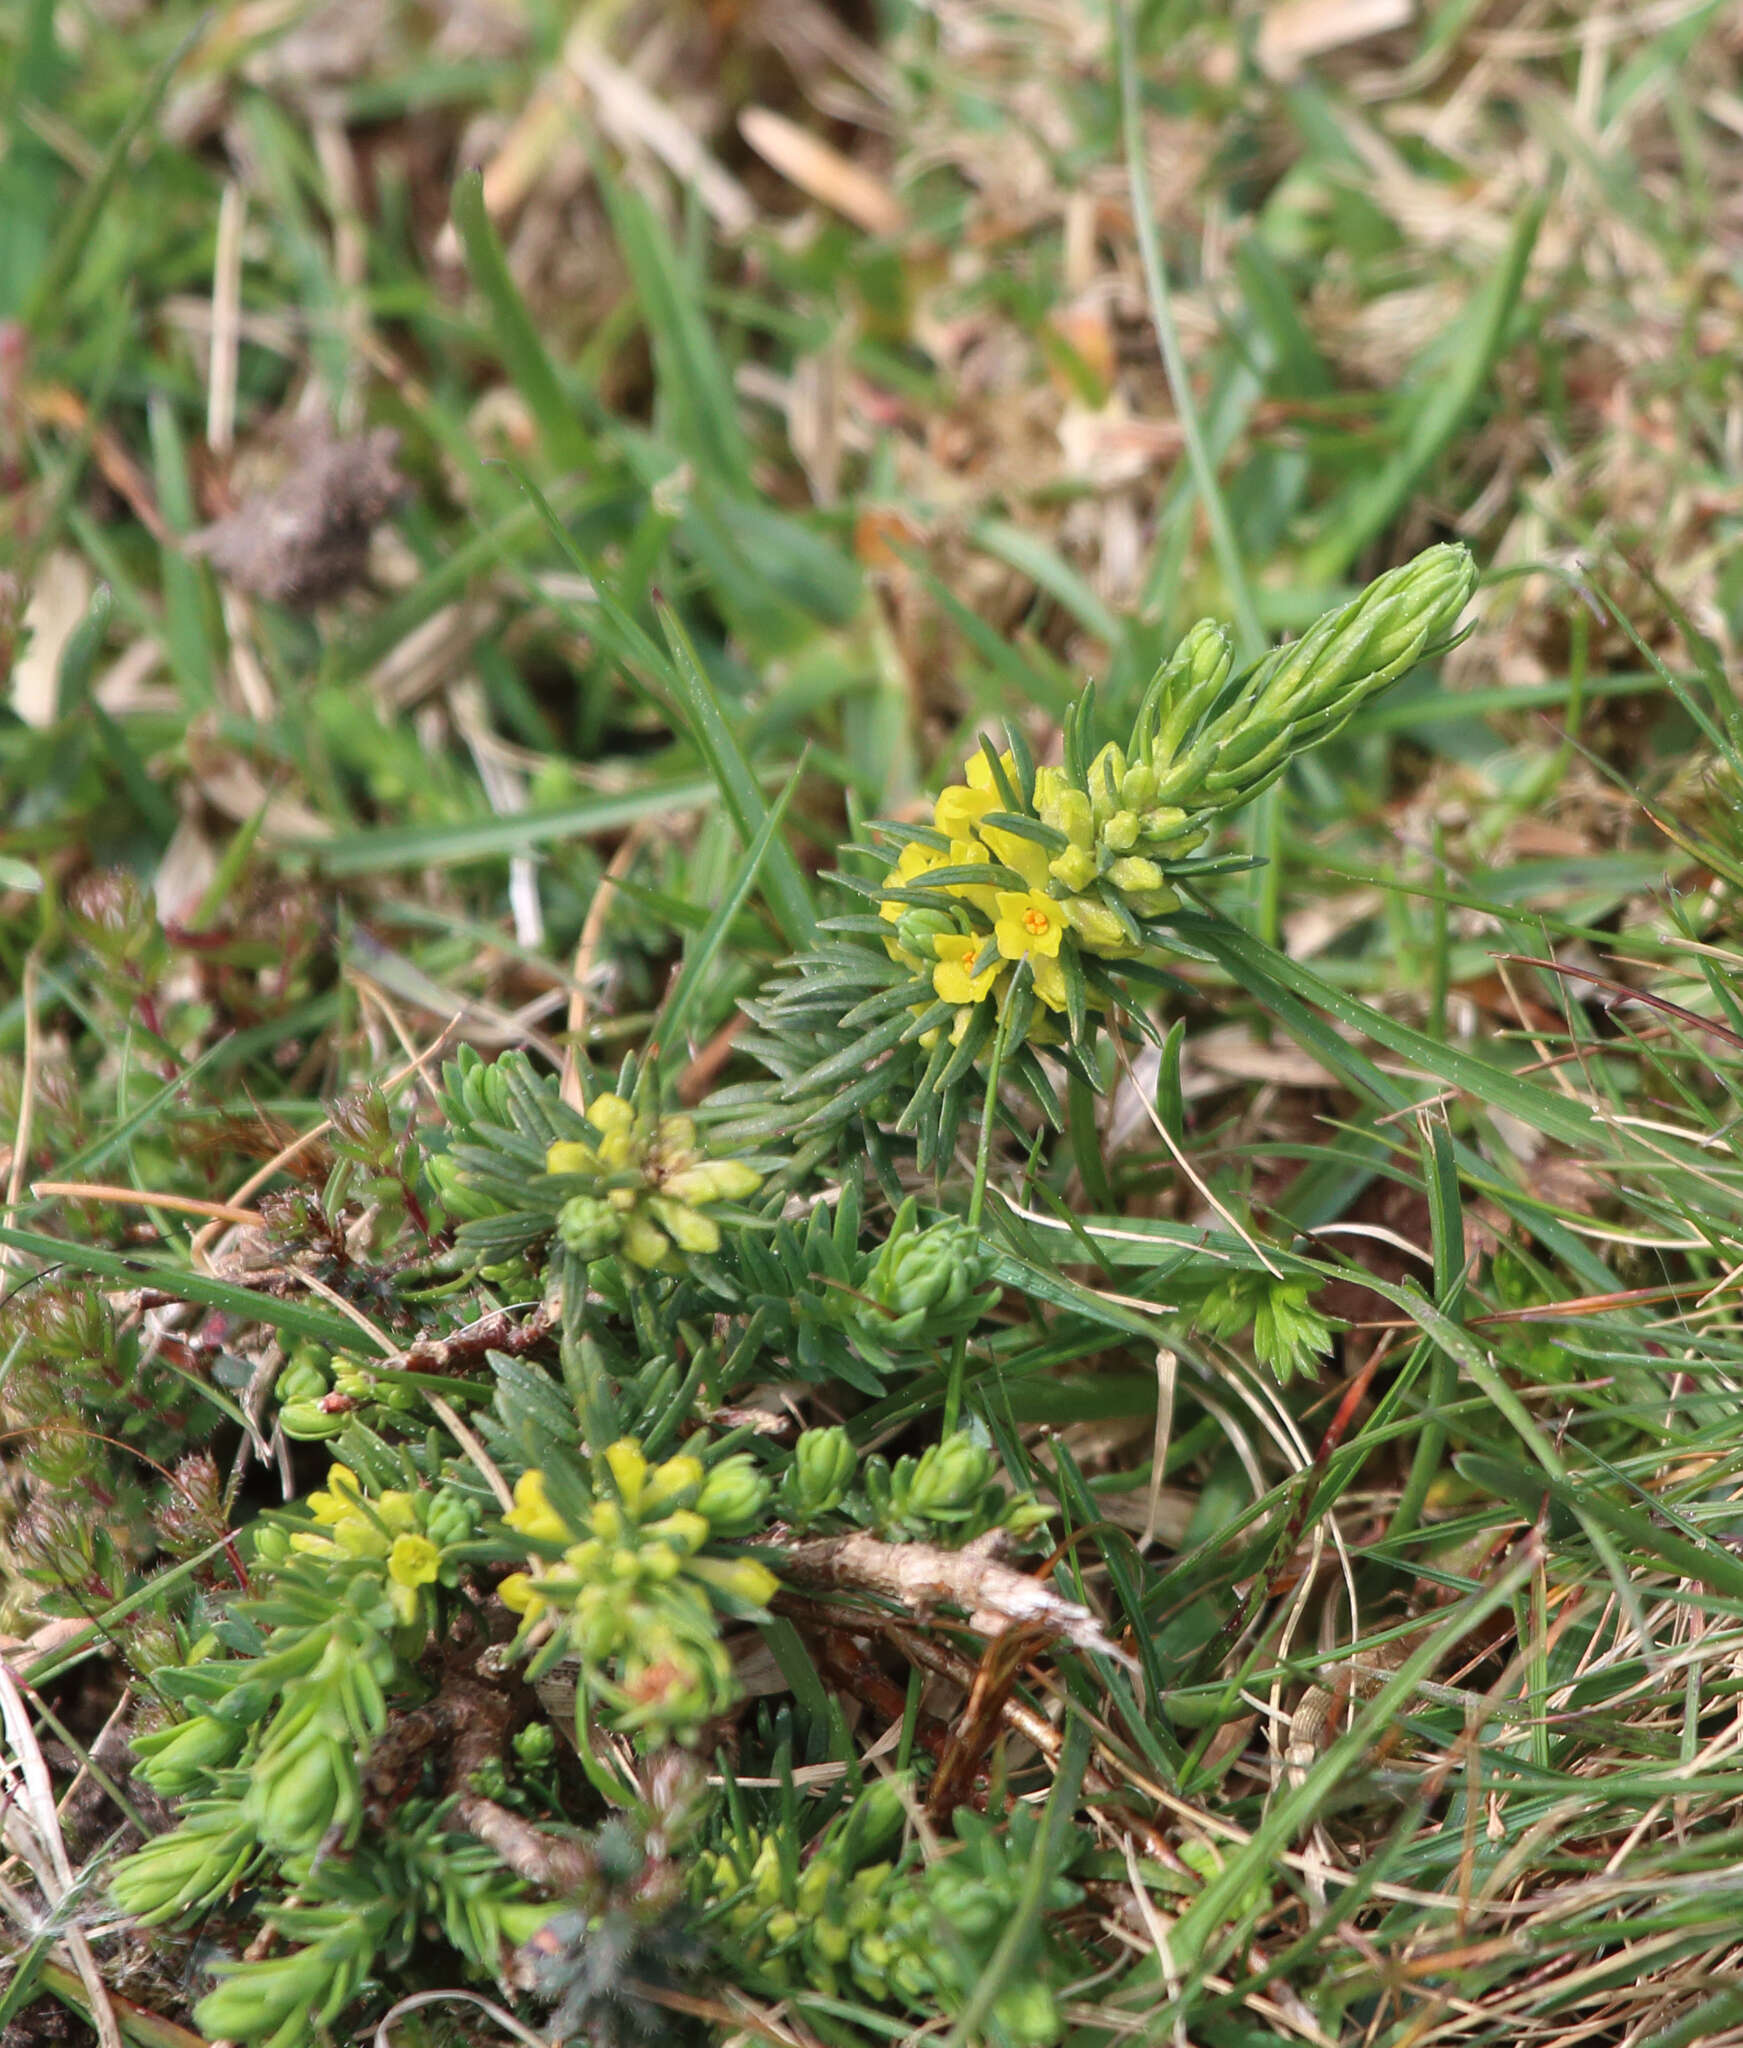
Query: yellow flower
[[412, 1561], [954, 977], [397, 1510], [519, 1594], [715, 1180], [959, 810], [676, 1482], [1059, 804], [690, 1230], [915, 861], [629, 1470], [608, 1113], [532, 1514], [644, 1242], [978, 770], [341, 1497], [741, 1577], [1028, 923], [1023, 856]]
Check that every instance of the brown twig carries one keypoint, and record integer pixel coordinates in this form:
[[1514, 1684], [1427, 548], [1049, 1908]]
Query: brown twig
[[474, 1720], [922, 1577]]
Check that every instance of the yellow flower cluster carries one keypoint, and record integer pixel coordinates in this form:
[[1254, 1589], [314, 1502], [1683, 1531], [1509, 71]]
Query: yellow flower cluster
[[1009, 925], [386, 1527], [652, 1185], [647, 1537], [633, 1597]]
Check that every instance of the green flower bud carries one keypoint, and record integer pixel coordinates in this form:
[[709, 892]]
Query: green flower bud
[[1213, 750], [1120, 833], [303, 1789], [310, 1423], [734, 1498], [1167, 824], [1183, 692], [926, 1281], [1149, 903], [873, 1822], [268, 1544], [263, 1999], [302, 1380], [589, 1226], [535, 1744], [714, 1180], [1138, 787], [187, 1870], [1075, 868], [823, 1468], [948, 1478], [916, 929], [1027, 2014], [1133, 872], [451, 1519], [1098, 928], [1106, 773], [176, 1761]]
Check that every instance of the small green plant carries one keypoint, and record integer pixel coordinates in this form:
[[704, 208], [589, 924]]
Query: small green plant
[[598, 1520]]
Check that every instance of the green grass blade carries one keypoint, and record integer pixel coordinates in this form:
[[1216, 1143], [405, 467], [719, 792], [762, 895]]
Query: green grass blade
[[294, 1318], [1451, 392], [784, 883], [567, 443]]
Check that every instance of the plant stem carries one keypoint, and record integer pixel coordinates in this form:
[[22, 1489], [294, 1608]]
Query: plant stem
[[977, 1200]]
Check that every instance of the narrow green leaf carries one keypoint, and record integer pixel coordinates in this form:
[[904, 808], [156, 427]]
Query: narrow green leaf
[[567, 444], [295, 1318], [1449, 393], [710, 939], [64, 258], [784, 883]]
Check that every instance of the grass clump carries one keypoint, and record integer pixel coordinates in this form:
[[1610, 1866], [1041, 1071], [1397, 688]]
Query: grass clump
[[730, 1310]]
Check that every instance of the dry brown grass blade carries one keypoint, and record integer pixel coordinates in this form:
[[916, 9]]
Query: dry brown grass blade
[[144, 1198], [822, 173], [30, 1824]]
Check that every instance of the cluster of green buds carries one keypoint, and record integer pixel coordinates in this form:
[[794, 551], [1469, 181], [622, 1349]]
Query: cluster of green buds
[[318, 1395], [191, 1868], [1049, 865], [928, 1284], [627, 1571], [949, 1494], [641, 1186], [917, 1937]]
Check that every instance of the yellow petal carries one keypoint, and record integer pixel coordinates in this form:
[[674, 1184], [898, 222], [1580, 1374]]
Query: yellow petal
[[518, 1593], [1023, 855], [959, 810], [532, 1514]]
